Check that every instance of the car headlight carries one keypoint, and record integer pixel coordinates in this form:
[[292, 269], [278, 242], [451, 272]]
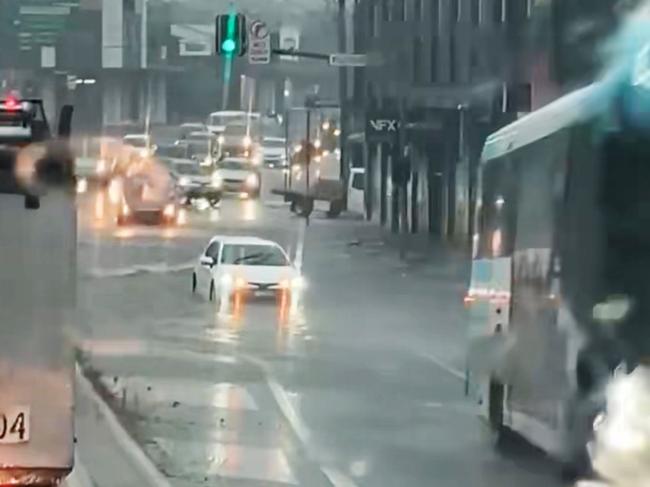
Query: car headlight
[[184, 181], [252, 181], [247, 141], [298, 283], [101, 167], [221, 139], [257, 159], [169, 210], [207, 161], [226, 280], [217, 180], [144, 152]]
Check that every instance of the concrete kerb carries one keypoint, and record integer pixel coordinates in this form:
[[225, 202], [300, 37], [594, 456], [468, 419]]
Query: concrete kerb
[[137, 456]]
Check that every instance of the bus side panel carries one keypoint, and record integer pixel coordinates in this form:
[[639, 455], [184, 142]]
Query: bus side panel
[[38, 289], [489, 315], [537, 374]]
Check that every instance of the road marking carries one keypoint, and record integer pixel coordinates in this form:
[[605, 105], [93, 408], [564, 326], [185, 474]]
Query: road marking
[[155, 268], [300, 429], [458, 374]]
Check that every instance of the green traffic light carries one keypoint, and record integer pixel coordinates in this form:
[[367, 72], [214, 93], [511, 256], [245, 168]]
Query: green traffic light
[[228, 45]]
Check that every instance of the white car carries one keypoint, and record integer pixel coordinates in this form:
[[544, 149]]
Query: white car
[[237, 175], [274, 152], [247, 265]]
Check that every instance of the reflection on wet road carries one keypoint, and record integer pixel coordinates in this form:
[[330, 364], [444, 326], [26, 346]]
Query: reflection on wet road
[[329, 389]]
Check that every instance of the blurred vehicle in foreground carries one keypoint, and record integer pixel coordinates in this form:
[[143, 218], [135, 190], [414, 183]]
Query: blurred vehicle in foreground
[[559, 289], [192, 183], [245, 266], [238, 175], [38, 287], [274, 152]]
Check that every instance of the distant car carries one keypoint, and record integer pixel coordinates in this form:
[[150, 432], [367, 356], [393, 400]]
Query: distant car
[[185, 129], [246, 265], [238, 175], [141, 144], [148, 196], [356, 190], [242, 139], [274, 153], [202, 147], [192, 183]]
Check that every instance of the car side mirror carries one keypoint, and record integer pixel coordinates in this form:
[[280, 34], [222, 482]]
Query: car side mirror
[[207, 260]]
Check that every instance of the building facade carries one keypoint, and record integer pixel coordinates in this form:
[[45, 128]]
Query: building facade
[[453, 71]]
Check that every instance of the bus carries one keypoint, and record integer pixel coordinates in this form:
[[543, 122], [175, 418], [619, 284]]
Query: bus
[[561, 260], [217, 121]]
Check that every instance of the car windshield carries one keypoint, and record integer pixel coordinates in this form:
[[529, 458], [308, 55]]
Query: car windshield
[[274, 143], [359, 243], [241, 130], [234, 117], [139, 142], [171, 151], [234, 164], [253, 255], [188, 169]]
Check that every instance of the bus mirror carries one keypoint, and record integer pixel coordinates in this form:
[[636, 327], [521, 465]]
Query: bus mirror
[[65, 121], [32, 202]]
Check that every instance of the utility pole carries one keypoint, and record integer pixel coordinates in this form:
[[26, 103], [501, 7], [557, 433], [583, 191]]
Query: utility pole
[[343, 95], [308, 158], [144, 45]]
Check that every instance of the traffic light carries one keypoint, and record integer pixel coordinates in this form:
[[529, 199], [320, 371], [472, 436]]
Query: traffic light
[[231, 38]]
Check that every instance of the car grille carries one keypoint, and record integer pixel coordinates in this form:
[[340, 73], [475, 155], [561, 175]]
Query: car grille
[[263, 286], [233, 181]]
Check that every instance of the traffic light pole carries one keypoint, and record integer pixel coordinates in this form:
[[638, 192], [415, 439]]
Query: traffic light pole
[[308, 159]]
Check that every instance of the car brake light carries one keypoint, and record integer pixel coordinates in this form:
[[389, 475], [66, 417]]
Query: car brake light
[[11, 104]]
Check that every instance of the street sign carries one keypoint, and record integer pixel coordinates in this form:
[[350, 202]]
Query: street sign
[[382, 126], [259, 48], [348, 60]]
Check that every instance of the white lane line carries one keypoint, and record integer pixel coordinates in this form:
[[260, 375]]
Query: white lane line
[[133, 451], [336, 477], [458, 374]]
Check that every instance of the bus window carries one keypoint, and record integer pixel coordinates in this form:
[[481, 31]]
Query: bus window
[[541, 170], [498, 209]]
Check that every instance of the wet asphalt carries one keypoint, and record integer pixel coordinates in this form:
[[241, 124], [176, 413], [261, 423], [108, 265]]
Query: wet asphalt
[[361, 385]]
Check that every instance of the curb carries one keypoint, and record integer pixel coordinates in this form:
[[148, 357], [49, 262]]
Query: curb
[[79, 476], [136, 455]]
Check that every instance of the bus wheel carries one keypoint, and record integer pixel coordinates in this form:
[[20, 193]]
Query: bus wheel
[[495, 412]]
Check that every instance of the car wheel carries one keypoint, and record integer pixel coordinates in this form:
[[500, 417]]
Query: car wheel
[[193, 282], [496, 391], [211, 293], [214, 202]]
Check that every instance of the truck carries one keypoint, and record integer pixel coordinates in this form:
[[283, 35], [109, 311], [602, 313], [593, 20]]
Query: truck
[[38, 287]]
